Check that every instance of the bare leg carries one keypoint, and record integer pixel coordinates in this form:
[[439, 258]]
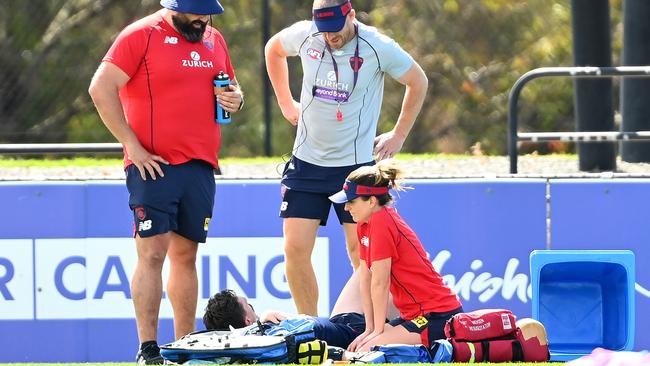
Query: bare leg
[[299, 241], [352, 243], [392, 335], [146, 285], [182, 286], [349, 300]]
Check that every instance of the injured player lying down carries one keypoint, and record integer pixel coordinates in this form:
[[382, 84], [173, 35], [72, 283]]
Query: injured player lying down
[[225, 309]]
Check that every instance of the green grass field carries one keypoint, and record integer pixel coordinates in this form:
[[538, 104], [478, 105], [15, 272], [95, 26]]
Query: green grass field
[[7, 162], [11, 162]]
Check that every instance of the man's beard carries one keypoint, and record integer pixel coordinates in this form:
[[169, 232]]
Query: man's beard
[[346, 35], [187, 28]]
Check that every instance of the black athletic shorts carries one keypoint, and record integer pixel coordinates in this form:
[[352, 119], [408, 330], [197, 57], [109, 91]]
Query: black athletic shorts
[[341, 329], [181, 201], [430, 326], [306, 189]]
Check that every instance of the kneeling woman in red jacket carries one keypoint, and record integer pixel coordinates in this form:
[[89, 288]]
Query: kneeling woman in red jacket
[[393, 260]]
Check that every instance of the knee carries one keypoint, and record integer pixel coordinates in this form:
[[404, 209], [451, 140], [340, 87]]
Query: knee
[[353, 252], [295, 251], [185, 258], [152, 257], [152, 250]]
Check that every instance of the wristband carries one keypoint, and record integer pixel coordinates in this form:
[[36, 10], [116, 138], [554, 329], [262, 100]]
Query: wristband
[[241, 104]]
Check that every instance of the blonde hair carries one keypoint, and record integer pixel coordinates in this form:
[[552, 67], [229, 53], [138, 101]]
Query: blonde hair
[[386, 173]]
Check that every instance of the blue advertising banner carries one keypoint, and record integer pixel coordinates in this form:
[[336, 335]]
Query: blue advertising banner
[[67, 255]]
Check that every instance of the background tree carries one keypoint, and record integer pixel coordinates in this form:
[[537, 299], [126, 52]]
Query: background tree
[[472, 52]]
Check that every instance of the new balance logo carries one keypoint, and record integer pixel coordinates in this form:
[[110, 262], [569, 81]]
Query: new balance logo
[[144, 225], [171, 40]]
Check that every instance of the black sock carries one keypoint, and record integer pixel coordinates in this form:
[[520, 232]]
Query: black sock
[[335, 353], [148, 344]]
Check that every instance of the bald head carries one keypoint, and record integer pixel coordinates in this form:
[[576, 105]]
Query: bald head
[[319, 4]]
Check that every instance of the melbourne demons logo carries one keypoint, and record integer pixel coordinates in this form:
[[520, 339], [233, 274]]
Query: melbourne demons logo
[[355, 63], [209, 45], [314, 53], [140, 213]]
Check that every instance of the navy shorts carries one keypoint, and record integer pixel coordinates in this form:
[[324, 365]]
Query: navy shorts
[[340, 330], [181, 201], [430, 326], [308, 205], [306, 189]]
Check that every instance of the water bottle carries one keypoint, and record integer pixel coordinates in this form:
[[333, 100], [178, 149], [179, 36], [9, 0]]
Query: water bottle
[[221, 83]]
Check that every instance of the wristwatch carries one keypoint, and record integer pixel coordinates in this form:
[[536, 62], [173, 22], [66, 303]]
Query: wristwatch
[[241, 105]]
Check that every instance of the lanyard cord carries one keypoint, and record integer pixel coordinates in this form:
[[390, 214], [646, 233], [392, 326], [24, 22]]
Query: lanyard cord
[[355, 67]]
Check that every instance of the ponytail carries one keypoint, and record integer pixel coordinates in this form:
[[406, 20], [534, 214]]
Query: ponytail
[[386, 173]]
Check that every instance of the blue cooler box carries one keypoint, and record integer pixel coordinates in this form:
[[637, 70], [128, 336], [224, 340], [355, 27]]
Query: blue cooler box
[[585, 299]]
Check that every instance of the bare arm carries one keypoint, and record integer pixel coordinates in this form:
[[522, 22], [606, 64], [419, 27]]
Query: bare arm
[[275, 316], [104, 90], [365, 283], [278, 70], [390, 143], [379, 289], [365, 279]]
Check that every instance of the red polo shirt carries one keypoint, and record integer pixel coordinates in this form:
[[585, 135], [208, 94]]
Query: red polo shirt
[[416, 287], [169, 100]]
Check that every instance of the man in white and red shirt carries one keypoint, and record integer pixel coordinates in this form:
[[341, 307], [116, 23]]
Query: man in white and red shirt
[[344, 63], [154, 91]]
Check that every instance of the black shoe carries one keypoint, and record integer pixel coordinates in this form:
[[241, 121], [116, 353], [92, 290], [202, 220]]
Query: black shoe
[[335, 353], [150, 355]]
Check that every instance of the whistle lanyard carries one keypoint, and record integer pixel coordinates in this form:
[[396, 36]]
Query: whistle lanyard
[[355, 64]]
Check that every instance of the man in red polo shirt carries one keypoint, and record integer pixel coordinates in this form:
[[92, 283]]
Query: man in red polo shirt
[[154, 92]]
